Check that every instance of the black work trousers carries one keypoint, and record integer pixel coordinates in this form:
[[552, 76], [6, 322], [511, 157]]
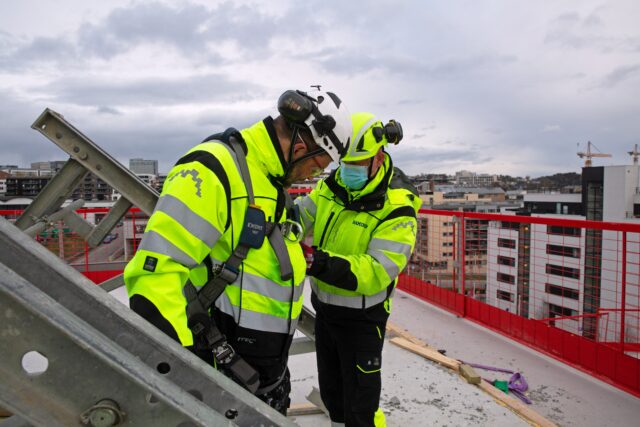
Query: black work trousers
[[349, 357]]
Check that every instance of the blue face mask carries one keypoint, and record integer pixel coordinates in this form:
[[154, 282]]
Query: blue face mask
[[354, 176]]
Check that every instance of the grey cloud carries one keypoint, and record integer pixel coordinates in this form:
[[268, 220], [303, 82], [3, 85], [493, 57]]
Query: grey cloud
[[573, 31], [352, 62], [19, 144], [145, 23], [621, 74], [108, 110], [188, 30], [156, 91]]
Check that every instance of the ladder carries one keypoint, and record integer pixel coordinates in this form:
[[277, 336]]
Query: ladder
[[104, 365]]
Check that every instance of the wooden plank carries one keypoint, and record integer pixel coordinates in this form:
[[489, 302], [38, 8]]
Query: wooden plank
[[516, 406], [298, 409], [398, 331], [427, 353]]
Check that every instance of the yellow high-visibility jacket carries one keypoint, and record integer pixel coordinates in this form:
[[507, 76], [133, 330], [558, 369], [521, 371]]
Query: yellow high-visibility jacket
[[363, 238], [196, 226]]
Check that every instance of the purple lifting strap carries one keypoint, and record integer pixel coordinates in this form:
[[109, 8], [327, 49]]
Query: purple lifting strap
[[517, 384]]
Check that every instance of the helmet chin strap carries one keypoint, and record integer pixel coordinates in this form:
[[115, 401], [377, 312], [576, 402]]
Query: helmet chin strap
[[290, 162]]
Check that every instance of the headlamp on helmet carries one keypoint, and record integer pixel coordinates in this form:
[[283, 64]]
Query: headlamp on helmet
[[369, 135]]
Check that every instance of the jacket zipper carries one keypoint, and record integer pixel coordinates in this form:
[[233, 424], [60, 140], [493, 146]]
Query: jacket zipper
[[326, 227]]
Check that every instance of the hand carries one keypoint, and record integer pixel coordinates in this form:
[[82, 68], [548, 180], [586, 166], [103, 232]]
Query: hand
[[308, 252]]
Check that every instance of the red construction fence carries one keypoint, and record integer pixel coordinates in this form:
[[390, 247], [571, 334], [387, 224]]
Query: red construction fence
[[566, 287]]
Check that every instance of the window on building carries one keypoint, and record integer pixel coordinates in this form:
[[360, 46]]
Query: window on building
[[447, 234], [437, 265], [562, 291], [559, 311], [564, 231], [447, 244], [505, 260], [506, 243], [510, 225], [447, 254], [504, 295], [560, 270], [506, 278], [567, 251]]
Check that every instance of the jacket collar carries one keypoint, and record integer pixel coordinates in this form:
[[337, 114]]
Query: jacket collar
[[264, 149], [371, 197]]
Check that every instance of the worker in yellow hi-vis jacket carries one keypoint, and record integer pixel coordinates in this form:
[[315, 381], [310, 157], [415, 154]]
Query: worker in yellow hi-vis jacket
[[363, 222], [219, 268]]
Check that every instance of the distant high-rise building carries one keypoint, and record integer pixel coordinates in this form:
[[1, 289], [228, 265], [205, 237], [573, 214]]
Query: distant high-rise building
[[53, 166], [142, 166], [575, 268]]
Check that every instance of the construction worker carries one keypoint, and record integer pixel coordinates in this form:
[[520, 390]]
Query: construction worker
[[219, 267], [363, 221]]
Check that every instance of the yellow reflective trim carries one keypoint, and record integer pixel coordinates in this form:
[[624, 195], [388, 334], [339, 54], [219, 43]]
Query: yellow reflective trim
[[387, 305], [262, 304], [379, 419], [367, 372], [379, 334]]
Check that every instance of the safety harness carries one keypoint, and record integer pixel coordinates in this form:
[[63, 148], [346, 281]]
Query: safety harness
[[207, 335]]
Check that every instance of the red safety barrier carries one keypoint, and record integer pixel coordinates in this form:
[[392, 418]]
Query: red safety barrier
[[566, 287]]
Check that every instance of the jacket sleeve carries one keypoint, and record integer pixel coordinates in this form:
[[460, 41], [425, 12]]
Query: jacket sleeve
[[189, 218], [387, 254], [307, 207]]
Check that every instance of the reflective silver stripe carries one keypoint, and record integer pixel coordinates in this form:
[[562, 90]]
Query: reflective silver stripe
[[354, 142], [254, 320], [194, 223], [345, 301], [390, 267], [268, 288], [224, 305], [306, 203], [155, 242], [391, 246], [265, 322]]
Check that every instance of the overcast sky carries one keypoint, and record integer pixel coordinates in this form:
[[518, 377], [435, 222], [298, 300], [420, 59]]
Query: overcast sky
[[507, 87]]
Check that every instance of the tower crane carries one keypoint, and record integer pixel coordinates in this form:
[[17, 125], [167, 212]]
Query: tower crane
[[588, 155], [634, 154]]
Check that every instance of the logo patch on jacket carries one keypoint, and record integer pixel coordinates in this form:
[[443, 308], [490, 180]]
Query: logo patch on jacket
[[150, 264], [247, 340], [408, 224], [194, 177], [360, 224]]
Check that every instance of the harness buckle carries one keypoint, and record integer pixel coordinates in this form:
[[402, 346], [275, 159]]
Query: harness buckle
[[291, 228], [225, 272], [224, 353]]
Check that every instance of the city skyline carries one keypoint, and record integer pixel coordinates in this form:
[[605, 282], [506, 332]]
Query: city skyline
[[482, 87]]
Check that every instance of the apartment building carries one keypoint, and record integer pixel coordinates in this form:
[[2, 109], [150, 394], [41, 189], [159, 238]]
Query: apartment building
[[571, 273]]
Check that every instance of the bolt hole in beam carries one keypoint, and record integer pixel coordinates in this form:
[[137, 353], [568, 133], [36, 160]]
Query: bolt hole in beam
[[197, 394], [151, 399], [164, 368], [34, 363]]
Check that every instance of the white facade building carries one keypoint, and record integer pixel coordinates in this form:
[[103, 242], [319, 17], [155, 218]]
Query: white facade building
[[546, 271]]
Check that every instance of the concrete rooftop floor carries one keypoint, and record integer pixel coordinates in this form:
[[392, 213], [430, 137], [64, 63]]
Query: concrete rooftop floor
[[417, 392]]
